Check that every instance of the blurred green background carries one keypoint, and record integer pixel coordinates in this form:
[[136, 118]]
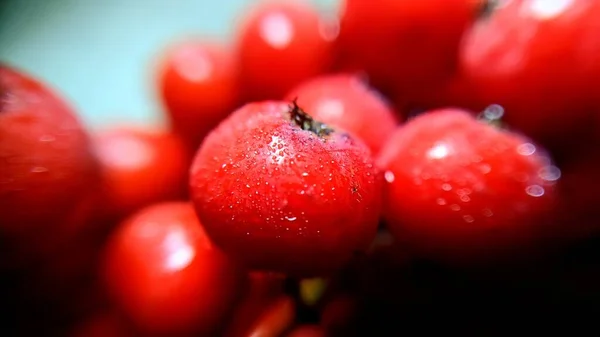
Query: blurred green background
[[99, 53]]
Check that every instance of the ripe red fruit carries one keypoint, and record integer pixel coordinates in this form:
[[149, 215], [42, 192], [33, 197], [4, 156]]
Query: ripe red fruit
[[198, 84], [275, 319], [283, 192], [462, 190], [406, 44], [46, 166], [344, 101], [538, 59], [164, 273], [281, 44], [307, 331], [140, 167]]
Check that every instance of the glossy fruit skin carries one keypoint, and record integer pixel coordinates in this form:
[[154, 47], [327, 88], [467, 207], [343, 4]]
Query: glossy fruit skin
[[538, 60], [404, 44], [284, 199], [139, 167], [165, 275], [281, 43], [198, 85], [462, 191], [344, 101], [46, 164]]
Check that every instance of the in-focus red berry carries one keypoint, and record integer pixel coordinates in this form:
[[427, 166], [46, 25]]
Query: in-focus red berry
[[344, 101], [46, 165], [165, 275], [283, 192], [140, 167], [281, 43], [538, 59], [198, 84], [461, 190], [406, 44]]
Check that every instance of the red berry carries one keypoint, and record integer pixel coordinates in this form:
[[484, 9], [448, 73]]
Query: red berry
[[46, 165], [538, 59], [281, 43], [140, 167], [283, 192], [198, 85], [275, 319], [406, 44], [462, 190], [345, 102], [164, 273], [307, 331]]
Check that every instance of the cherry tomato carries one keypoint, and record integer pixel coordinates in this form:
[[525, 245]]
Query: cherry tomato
[[140, 167], [165, 275], [281, 43], [198, 86]]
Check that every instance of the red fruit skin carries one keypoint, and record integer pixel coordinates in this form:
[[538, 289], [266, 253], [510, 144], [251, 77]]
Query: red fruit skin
[[283, 199], [281, 43], [344, 101], [198, 84], [538, 60], [46, 166], [165, 275], [307, 331], [404, 44], [103, 324], [139, 167], [461, 191], [275, 319]]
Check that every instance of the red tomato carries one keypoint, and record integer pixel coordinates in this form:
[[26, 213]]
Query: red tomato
[[281, 44], [165, 275], [140, 167], [407, 44], [344, 101], [538, 59], [198, 86]]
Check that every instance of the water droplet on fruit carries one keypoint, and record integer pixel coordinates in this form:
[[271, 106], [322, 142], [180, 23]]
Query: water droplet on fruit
[[485, 168], [39, 169], [389, 176], [468, 218], [549, 173], [441, 201], [535, 190], [493, 112], [290, 218], [439, 151], [305, 174], [455, 207], [487, 212], [47, 138], [446, 187], [465, 198], [526, 149], [247, 186]]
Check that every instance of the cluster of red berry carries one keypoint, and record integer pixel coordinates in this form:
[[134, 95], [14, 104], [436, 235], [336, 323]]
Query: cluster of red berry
[[413, 165]]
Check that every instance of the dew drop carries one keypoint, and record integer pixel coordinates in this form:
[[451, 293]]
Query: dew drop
[[526, 149], [305, 174], [493, 112], [441, 201], [468, 218], [535, 190], [455, 207], [465, 198], [549, 173], [446, 187], [39, 169], [487, 212], [389, 176], [290, 218]]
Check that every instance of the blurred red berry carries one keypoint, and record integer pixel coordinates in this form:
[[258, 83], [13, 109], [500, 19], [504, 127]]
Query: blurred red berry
[[280, 44], [198, 84], [165, 275]]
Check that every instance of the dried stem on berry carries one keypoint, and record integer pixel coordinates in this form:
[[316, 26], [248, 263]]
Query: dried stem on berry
[[307, 123]]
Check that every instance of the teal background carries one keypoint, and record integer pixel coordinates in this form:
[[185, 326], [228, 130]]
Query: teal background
[[99, 54]]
